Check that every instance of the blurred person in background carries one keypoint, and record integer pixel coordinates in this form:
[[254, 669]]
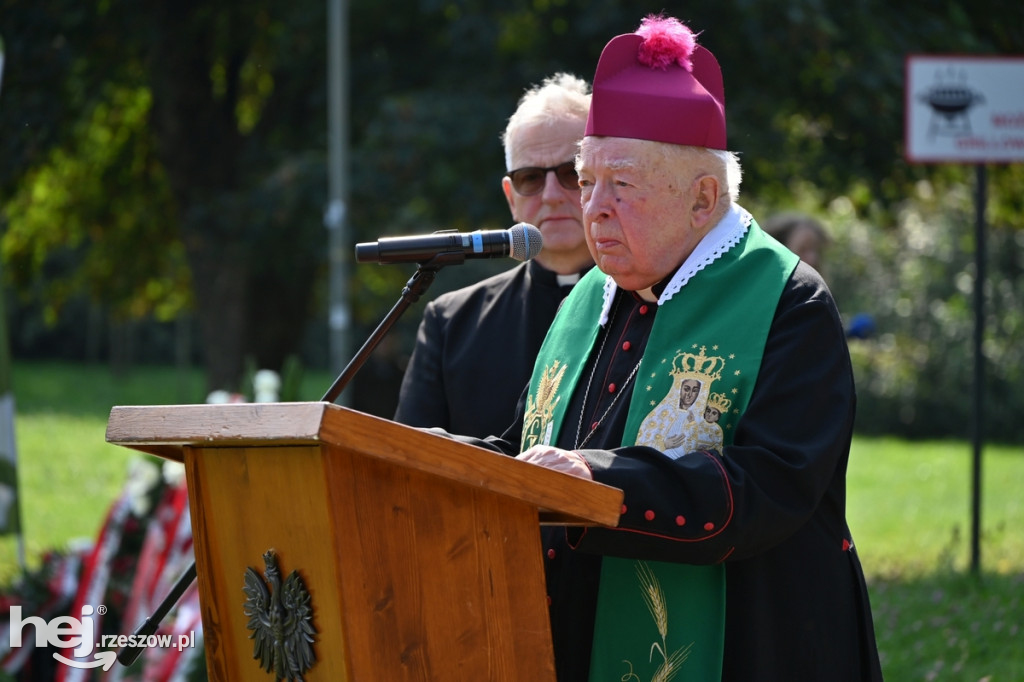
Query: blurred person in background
[[802, 234], [805, 236]]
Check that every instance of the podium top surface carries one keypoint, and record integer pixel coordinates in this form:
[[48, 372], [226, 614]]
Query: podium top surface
[[168, 430]]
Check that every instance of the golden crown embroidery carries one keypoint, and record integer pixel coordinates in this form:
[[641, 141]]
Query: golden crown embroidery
[[687, 418]]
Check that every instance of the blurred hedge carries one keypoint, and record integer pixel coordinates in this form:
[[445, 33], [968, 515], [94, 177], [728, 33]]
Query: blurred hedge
[[913, 271]]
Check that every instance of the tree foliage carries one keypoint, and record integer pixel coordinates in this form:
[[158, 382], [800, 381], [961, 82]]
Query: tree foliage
[[170, 156], [87, 219]]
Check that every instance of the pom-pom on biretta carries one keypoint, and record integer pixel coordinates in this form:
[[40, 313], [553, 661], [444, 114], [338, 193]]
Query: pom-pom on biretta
[[658, 84], [666, 41]]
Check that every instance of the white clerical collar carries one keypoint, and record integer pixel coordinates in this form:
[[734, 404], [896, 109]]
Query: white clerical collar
[[722, 237]]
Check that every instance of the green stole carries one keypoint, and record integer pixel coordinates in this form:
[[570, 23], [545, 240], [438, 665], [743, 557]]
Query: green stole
[[659, 620]]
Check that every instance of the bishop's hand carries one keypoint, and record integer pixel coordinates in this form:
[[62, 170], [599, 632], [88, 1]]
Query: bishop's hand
[[566, 461]]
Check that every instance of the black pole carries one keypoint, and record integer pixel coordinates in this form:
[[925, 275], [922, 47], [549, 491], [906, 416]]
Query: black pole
[[979, 366], [414, 288], [149, 627]]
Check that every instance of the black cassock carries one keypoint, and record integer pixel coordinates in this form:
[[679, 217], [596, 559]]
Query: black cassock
[[796, 601]]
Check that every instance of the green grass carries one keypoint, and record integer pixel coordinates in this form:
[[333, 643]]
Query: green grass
[[68, 474], [909, 507]]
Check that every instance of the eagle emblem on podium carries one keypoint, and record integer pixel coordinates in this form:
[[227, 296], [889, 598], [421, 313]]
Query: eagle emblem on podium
[[281, 621]]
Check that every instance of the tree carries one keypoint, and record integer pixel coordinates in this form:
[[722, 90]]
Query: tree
[[181, 145], [211, 168]]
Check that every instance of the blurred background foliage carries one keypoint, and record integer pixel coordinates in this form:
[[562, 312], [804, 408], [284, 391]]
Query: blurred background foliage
[[163, 175]]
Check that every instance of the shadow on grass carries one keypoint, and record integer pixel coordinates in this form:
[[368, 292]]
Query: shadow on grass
[[950, 626]]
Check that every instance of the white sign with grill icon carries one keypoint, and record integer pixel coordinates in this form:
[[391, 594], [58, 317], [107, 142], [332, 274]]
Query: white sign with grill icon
[[964, 109]]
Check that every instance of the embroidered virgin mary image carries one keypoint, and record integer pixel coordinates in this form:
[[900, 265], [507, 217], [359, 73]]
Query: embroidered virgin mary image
[[687, 417]]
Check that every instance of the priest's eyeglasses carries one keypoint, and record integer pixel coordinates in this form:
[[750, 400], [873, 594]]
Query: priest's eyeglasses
[[530, 180]]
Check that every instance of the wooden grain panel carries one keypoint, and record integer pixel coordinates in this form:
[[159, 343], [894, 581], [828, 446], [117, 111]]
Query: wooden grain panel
[[161, 430], [244, 502], [236, 423], [440, 581], [576, 501]]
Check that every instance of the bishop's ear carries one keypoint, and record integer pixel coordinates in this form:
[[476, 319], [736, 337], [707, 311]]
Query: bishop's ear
[[705, 200]]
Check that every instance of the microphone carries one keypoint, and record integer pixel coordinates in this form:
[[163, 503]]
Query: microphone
[[522, 241]]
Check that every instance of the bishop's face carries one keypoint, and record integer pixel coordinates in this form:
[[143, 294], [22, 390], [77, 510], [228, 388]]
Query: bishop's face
[[636, 210]]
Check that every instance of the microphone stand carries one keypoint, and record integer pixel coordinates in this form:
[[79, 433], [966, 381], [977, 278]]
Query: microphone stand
[[130, 654], [414, 288]]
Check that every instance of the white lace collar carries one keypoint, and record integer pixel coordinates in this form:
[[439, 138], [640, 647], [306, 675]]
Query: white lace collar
[[722, 237]]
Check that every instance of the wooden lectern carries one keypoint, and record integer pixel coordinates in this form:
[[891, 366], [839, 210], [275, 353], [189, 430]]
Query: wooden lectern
[[421, 555]]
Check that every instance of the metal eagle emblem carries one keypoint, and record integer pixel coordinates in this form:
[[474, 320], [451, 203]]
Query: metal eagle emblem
[[281, 621]]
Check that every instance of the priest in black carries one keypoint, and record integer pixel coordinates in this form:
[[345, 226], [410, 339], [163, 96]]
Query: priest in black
[[475, 346]]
